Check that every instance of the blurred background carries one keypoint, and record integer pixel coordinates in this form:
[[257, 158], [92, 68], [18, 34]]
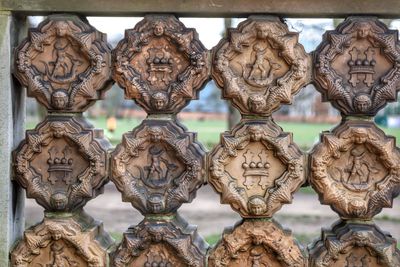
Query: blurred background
[[209, 116]]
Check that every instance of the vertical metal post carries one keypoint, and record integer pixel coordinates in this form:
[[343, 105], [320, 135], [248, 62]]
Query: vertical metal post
[[12, 123]]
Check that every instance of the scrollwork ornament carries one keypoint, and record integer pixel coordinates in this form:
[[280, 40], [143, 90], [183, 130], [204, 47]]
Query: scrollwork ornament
[[260, 65], [158, 167], [160, 64], [62, 164], [356, 170], [357, 66], [354, 244], [161, 242], [64, 63], [256, 168], [257, 243]]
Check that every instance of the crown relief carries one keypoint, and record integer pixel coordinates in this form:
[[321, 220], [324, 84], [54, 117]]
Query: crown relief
[[358, 66], [158, 167], [355, 169], [256, 168], [160, 64], [260, 65], [257, 243], [62, 163], [64, 63]]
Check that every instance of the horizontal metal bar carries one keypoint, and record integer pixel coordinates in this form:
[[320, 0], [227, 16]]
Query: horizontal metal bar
[[208, 8]]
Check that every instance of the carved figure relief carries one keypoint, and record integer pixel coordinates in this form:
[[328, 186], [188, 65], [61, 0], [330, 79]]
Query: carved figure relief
[[158, 167], [161, 243], [64, 63], [160, 64], [260, 65], [355, 169], [257, 244], [354, 245], [62, 242], [256, 168], [62, 163], [358, 66]]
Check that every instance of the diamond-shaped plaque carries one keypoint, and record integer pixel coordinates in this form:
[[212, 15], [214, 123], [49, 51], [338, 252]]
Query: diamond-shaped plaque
[[64, 63], [160, 64], [357, 66], [62, 164], [158, 167], [356, 170], [260, 65], [256, 168]]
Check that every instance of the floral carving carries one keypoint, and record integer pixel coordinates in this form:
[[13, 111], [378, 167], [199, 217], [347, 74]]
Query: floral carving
[[64, 63], [158, 167], [256, 168], [62, 163], [257, 243], [260, 65], [62, 242], [352, 244], [169, 242], [355, 169], [160, 64], [358, 66]]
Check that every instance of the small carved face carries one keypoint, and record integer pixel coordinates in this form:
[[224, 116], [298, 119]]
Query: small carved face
[[155, 134], [59, 99], [256, 133], [58, 201], [262, 32], [156, 203], [159, 100], [257, 103], [257, 205], [159, 29], [360, 136], [61, 28], [362, 103], [363, 29]]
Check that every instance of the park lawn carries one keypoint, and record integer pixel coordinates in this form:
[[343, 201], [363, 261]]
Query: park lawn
[[304, 134]]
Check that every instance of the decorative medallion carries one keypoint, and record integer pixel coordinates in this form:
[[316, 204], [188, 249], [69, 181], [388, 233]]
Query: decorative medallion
[[159, 242], [59, 242], [358, 66], [260, 65], [64, 63], [256, 168], [160, 64], [356, 170], [257, 243], [62, 164], [354, 245], [158, 167]]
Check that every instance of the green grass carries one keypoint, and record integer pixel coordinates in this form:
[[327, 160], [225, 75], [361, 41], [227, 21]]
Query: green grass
[[304, 134]]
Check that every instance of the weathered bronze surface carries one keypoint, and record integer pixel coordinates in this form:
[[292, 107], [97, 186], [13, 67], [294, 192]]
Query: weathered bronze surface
[[356, 169], [160, 64], [256, 168], [64, 63], [353, 244], [62, 164], [358, 66], [161, 242], [158, 167], [257, 243], [63, 241], [260, 65]]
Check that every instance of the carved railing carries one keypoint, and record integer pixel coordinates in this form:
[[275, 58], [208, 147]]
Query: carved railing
[[64, 162]]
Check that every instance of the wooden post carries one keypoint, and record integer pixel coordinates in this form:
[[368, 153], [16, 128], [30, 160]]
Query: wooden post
[[12, 124]]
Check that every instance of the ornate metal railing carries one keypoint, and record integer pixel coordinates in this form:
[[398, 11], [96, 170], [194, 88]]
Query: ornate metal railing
[[67, 65]]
